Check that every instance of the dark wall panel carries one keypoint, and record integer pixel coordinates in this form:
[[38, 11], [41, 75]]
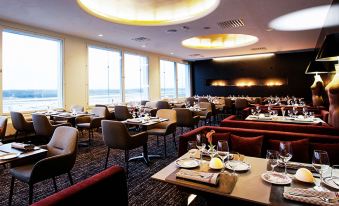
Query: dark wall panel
[[291, 66]]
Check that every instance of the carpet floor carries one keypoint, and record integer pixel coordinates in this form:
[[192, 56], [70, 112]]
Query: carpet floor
[[142, 189]]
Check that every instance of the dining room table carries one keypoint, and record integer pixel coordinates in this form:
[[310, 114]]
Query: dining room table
[[249, 188], [286, 119]]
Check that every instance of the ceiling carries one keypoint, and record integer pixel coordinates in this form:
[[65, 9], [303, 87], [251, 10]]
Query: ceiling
[[65, 16]]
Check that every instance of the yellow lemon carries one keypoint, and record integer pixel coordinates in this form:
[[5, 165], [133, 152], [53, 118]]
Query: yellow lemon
[[304, 175], [216, 163]]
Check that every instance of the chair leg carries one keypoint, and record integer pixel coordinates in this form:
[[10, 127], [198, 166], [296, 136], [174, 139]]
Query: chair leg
[[70, 177], [126, 160], [145, 153], [165, 152], [30, 200], [175, 143], [11, 191], [107, 155], [55, 184]]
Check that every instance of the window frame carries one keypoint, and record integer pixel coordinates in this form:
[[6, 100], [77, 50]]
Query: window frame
[[61, 73]]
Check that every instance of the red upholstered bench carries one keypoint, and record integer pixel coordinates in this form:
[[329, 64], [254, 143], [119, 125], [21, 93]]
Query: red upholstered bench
[[330, 143], [232, 121], [108, 187]]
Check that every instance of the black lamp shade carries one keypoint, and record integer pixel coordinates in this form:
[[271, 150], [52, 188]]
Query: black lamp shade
[[329, 50], [319, 67]]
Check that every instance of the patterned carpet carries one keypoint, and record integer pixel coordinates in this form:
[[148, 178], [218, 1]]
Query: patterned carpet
[[90, 160]]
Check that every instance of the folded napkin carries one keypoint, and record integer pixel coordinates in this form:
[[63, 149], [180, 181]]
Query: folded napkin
[[134, 120], [297, 165], [205, 177], [22, 146], [310, 196]]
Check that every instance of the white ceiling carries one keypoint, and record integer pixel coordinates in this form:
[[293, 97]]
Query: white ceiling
[[66, 17]]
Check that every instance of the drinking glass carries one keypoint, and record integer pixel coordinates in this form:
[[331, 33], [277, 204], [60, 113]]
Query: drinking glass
[[295, 111], [311, 115], [285, 153], [258, 109], [305, 112], [272, 156], [191, 147], [223, 150], [212, 151], [134, 115], [321, 164], [283, 112], [252, 111], [290, 113], [335, 173], [233, 164], [201, 144]]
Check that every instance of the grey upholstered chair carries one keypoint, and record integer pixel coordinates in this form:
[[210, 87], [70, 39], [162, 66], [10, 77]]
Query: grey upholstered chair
[[239, 105], [3, 127], [143, 102], [165, 128], [228, 105], [43, 127], [206, 114], [162, 105], [186, 118], [121, 113], [108, 114], [60, 159], [91, 122], [20, 124], [116, 136], [190, 101]]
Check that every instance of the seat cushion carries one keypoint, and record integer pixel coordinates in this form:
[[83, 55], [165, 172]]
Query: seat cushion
[[250, 146], [156, 131], [22, 173], [83, 125], [300, 149], [331, 149]]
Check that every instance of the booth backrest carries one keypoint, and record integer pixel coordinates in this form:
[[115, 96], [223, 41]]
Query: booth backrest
[[329, 143]]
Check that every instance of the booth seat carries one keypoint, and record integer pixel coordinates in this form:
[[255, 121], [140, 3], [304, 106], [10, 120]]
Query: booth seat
[[305, 143], [232, 121], [108, 187]]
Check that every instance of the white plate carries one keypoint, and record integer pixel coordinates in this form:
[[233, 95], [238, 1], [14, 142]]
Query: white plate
[[240, 166], [329, 181], [187, 163], [276, 178], [9, 156]]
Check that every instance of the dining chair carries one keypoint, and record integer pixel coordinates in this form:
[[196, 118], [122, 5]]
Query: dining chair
[[186, 118], [115, 135], [20, 124], [165, 128], [108, 114], [60, 159], [3, 127], [190, 101], [121, 113], [162, 105], [202, 99], [43, 127], [206, 114]]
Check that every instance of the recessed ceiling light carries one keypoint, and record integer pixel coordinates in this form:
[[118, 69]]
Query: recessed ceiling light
[[153, 12], [219, 41], [306, 19], [100, 35], [171, 53], [143, 46]]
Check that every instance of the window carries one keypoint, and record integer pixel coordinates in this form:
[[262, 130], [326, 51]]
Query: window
[[104, 76], [174, 79], [136, 77], [32, 72], [184, 84]]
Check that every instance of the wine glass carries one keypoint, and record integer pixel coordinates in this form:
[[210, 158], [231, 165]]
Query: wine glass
[[295, 111], [201, 144], [285, 149], [134, 115], [272, 156], [223, 150], [252, 111], [233, 164], [290, 113], [191, 147], [283, 112], [258, 109], [321, 164], [305, 112]]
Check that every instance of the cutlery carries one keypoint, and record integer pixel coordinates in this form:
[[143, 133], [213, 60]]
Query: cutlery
[[325, 199]]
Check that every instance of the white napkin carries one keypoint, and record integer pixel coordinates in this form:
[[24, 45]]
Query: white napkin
[[22, 146], [134, 120], [310, 196], [206, 177]]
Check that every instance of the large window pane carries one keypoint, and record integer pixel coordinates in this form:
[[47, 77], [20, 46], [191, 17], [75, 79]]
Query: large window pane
[[32, 72], [183, 74], [136, 77], [167, 79], [104, 76]]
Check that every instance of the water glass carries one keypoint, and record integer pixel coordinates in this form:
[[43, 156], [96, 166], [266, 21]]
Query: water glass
[[321, 164], [285, 153], [191, 147], [272, 156], [335, 172], [223, 150], [283, 112], [201, 144]]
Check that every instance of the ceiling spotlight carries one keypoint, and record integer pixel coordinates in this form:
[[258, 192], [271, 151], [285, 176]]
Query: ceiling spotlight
[[149, 12], [143, 46], [171, 53], [100, 35]]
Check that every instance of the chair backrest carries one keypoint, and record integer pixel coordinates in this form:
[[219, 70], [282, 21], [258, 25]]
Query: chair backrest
[[151, 104], [228, 103], [99, 111], [42, 126], [240, 103], [206, 105], [203, 99], [18, 121], [3, 127], [61, 155], [115, 134], [162, 105], [107, 114], [169, 114], [77, 108], [184, 117], [190, 101], [258, 100], [121, 113], [143, 102]]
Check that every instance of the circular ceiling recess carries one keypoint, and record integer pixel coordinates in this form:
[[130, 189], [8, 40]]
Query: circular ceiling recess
[[149, 12], [219, 41]]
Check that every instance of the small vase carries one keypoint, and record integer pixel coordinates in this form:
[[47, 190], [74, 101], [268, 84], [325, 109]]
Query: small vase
[[211, 151]]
